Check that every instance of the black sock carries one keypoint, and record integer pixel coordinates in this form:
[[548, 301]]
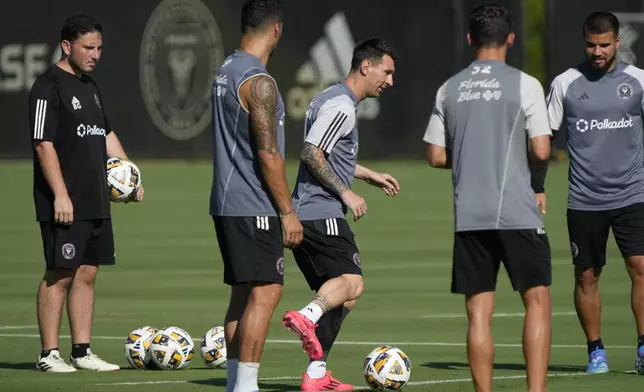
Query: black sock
[[329, 328], [595, 345], [640, 342], [45, 353], [79, 350]]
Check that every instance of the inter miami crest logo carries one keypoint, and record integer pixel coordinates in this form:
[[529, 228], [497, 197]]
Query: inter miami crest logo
[[356, 260], [624, 91], [181, 49], [280, 266], [69, 251], [574, 249]]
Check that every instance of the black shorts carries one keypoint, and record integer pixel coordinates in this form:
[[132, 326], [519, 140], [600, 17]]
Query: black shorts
[[479, 254], [328, 250], [86, 242], [588, 232], [251, 248]]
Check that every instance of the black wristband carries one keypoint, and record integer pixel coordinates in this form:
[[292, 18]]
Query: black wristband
[[538, 173]]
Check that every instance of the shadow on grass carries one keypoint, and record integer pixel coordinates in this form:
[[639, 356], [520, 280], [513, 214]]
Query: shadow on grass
[[18, 365], [263, 385], [503, 366]]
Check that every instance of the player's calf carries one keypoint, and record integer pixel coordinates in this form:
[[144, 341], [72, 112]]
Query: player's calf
[[238, 299], [333, 294], [480, 348], [50, 300], [537, 335], [635, 266], [252, 330]]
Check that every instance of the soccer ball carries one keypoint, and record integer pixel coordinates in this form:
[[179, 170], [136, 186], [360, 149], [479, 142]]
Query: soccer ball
[[123, 179], [213, 348], [137, 346], [172, 349], [387, 368]]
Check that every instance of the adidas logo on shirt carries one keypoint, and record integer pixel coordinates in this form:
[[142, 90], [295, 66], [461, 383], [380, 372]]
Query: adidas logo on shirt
[[330, 62], [76, 103]]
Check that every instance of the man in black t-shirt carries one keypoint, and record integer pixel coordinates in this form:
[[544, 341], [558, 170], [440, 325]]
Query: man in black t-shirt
[[72, 141]]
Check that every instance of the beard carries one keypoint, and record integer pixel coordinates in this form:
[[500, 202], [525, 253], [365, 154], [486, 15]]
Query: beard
[[608, 63]]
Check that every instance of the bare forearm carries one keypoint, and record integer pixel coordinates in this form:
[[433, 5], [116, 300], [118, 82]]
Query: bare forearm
[[317, 164], [114, 147], [438, 157], [362, 173], [272, 167], [50, 166]]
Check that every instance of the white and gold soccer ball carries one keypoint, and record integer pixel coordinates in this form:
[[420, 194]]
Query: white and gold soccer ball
[[387, 368], [123, 179], [137, 345], [213, 348], [172, 349]]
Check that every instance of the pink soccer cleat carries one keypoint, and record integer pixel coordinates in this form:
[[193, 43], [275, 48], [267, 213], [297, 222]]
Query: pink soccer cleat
[[326, 383], [305, 330]]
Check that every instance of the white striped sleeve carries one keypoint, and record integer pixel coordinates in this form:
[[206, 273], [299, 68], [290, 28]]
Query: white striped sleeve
[[43, 111], [435, 131], [533, 104], [556, 97], [335, 118]]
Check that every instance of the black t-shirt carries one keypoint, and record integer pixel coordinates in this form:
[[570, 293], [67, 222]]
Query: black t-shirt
[[68, 111]]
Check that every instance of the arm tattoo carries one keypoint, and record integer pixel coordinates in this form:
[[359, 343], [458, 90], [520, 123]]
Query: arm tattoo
[[262, 105], [314, 159]]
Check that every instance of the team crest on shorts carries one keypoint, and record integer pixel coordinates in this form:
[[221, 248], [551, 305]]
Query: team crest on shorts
[[574, 249], [356, 260], [280, 266], [624, 91], [69, 251]]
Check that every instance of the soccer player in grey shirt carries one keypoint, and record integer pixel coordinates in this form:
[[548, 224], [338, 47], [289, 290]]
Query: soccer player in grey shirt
[[483, 120], [250, 201], [599, 103], [328, 256]]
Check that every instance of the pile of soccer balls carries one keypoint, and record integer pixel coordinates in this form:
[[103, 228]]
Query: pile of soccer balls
[[386, 368], [123, 179], [172, 348]]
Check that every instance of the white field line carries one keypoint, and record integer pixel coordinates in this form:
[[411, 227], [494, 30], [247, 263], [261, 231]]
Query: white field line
[[426, 316], [343, 343], [360, 388], [7, 327], [496, 315]]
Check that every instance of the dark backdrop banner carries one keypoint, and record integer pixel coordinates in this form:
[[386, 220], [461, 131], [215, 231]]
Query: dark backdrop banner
[[159, 60], [565, 38]]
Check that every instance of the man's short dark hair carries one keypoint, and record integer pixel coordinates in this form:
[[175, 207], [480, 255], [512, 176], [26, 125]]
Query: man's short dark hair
[[79, 25], [490, 25], [600, 23], [259, 13], [371, 49]]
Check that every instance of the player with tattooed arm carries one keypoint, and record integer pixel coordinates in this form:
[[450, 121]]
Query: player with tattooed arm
[[328, 256], [250, 201]]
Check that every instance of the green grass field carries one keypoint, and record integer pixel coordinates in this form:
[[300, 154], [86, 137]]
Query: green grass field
[[169, 272]]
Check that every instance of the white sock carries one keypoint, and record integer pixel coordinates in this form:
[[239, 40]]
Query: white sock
[[316, 369], [247, 377], [231, 374], [312, 311]]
